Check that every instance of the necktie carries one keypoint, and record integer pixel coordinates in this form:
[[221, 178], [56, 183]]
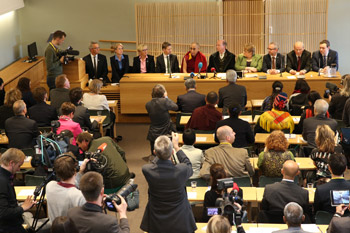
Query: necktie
[[95, 65], [324, 61], [273, 63], [168, 64], [299, 64]]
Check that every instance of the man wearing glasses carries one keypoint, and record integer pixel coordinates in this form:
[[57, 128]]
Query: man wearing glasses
[[192, 58], [273, 62], [96, 63]]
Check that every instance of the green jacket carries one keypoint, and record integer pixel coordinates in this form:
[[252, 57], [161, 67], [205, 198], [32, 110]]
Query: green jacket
[[53, 65], [241, 62], [116, 173]]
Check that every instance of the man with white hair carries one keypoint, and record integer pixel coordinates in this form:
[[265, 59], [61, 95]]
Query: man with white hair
[[192, 99], [320, 118], [168, 209], [96, 63], [222, 60], [235, 160], [293, 217], [232, 93], [299, 60]]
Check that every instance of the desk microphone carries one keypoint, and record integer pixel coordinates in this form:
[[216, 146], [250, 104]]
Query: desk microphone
[[192, 75], [200, 65], [213, 70]]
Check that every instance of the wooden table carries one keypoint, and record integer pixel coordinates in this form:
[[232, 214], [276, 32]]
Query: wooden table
[[100, 120], [298, 140], [27, 163], [18, 189], [322, 228], [257, 103], [201, 139], [304, 163], [3, 139], [260, 194]]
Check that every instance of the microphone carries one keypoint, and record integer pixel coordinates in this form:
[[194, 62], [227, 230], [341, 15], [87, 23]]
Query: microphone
[[200, 65], [213, 70], [192, 75], [235, 187], [319, 66], [101, 148]]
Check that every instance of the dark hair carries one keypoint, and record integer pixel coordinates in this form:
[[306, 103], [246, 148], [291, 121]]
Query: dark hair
[[189, 137], [84, 136], [212, 97], [277, 88], [326, 42], [75, 95], [39, 94], [58, 34], [60, 80], [302, 86], [165, 45], [67, 108], [158, 91], [67, 133], [65, 166], [1, 81], [217, 171], [91, 185], [23, 84], [63, 224], [234, 109], [337, 162]]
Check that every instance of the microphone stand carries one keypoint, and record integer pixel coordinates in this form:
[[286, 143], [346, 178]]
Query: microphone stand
[[281, 66]]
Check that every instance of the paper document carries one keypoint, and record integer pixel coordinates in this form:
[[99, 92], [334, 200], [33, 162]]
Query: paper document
[[296, 119], [191, 195], [221, 75], [111, 101], [26, 192], [27, 159], [288, 136], [201, 139], [310, 227], [250, 75], [291, 77]]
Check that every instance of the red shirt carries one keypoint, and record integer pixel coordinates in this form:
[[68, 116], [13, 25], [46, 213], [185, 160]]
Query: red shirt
[[204, 118]]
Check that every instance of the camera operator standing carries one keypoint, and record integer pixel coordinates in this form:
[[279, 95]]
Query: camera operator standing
[[337, 101], [52, 59]]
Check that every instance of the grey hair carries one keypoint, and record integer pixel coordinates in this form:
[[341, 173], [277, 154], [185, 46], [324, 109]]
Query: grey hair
[[190, 83], [275, 44], [163, 147], [231, 76], [321, 106], [18, 107], [92, 43], [293, 214]]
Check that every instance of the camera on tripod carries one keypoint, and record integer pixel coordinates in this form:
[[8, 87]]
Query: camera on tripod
[[68, 54], [124, 192]]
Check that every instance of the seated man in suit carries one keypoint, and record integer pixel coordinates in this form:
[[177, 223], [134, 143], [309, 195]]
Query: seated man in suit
[[337, 166], [235, 160], [143, 63], [192, 99], [191, 60], [293, 217], [324, 58], [310, 124], [41, 112], [273, 62], [279, 194], [60, 94], [167, 62], [299, 60], [89, 217], [222, 60], [232, 93], [96, 63], [338, 222], [20, 130], [205, 117], [119, 63]]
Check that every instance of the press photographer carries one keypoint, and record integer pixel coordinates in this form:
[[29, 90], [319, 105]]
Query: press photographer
[[338, 99]]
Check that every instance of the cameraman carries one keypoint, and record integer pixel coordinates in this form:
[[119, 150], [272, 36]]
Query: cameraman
[[89, 218], [116, 172], [52, 59], [337, 101]]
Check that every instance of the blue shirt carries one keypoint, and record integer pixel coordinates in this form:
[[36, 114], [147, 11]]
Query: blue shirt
[[119, 62]]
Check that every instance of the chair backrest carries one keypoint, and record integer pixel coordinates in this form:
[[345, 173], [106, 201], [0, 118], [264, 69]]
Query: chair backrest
[[323, 217], [264, 180], [246, 113], [243, 181], [31, 180]]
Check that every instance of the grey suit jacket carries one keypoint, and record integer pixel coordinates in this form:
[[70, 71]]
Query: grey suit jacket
[[190, 101], [230, 94], [58, 96], [339, 225], [291, 230]]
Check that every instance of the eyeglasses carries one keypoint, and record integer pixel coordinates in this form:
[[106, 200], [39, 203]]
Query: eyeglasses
[[271, 49], [193, 48], [144, 50], [96, 48]]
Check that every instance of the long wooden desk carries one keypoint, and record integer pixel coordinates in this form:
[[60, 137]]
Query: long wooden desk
[[201, 139], [260, 194], [136, 89], [304, 163], [27, 190], [298, 140]]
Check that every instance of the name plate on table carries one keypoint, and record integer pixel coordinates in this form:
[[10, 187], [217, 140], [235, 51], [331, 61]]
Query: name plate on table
[[290, 136]]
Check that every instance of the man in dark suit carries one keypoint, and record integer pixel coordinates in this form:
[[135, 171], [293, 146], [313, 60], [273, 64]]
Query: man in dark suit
[[337, 166], [168, 209], [167, 62], [232, 93], [119, 63], [222, 60], [324, 58], [144, 63], [192, 99], [278, 195], [89, 218], [273, 62], [310, 124], [338, 222], [96, 63], [299, 60], [60, 94], [20, 130]]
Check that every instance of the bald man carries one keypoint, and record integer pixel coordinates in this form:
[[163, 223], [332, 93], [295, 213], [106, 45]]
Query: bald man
[[235, 160], [192, 58], [299, 60], [277, 195], [222, 60]]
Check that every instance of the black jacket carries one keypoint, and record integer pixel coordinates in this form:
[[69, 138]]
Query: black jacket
[[292, 61], [190, 101], [336, 106], [102, 69], [267, 63], [317, 59], [174, 64], [117, 73], [43, 114], [5, 113], [58, 96], [82, 116], [150, 66], [214, 62], [232, 93]]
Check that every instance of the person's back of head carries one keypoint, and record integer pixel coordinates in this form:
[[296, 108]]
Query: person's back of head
[[313, 96], [65, 166], [63, 224], [75, 95], [19, 107], [163, 147], [325, 139], [231, 76], [91, 185], [290, 169], [40, 94], [280, 102], [217, 171], [190, 83], [225, 134], [12, 96], [23, 84], [337, 164], [189, 137], [320, 107], [234, 110], [67, 108], [277, 87], [95, 86], [345, 91], [158, 91], [293, 214], [212, 98], [218, 224], [12, 154], [60, 81]]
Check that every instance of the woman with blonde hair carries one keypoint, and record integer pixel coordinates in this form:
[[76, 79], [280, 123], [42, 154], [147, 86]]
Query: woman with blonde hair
[[220, 224], [338, 100], [143, 63], [248, 61], [6, 110], [119, 63]]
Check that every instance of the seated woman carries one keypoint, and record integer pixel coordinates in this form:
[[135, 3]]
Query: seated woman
[[143, 63], [66, 122], [217, 171], [119, 63], [277, 88], [298, 99], [277, 118], [248, 61], [338, 100], [271, 160], [6, 110], [24, 86]]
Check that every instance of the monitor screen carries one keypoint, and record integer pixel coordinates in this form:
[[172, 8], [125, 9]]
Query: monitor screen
[[32, 51]]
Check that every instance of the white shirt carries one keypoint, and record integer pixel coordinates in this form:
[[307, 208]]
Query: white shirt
[[166, 62], [222, 55], [196, 156], [95, 102]]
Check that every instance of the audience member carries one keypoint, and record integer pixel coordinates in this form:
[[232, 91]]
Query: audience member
[[2, 92], [20, 130], [277, 118], [143, 63], [167, 62], [205, 117], [298, 99], [11, 219], [89, 217], [222, 60], [244, 134], [248, 61], [299, 60], [6, 110], [338, 100], [278, 195], [119, 63], [337, 166], [310, 124], [96, 63], [232, 93], [273, 62], [276, 152], [235, 160], [41, 112], [66, 120], [277, 88], [24, 85], [158, 111], [192, 99], [192, 58], [323, 59], [219, 224], [168, 209], [338, 222], [63, 224], [60, 94], [93, 100]]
